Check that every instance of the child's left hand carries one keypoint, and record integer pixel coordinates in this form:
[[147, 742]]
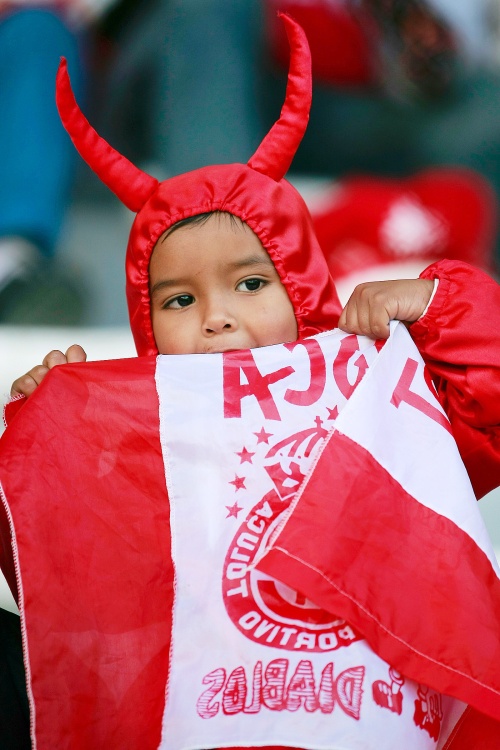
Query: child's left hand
[[374, 304], [28, 383]]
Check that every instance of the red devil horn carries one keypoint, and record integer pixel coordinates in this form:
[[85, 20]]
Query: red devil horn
[[132, 186], [275, 153]]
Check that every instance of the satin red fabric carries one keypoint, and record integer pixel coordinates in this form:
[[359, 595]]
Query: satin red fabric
[[459, 338], [273, 210]]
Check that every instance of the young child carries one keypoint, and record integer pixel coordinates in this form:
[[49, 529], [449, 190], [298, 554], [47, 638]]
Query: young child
[[224, 258]]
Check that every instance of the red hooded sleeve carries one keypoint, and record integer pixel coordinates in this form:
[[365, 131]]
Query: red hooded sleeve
[[459, 338]]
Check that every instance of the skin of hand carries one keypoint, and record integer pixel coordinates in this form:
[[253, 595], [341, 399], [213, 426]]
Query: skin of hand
[[26, 384], [374, 304]]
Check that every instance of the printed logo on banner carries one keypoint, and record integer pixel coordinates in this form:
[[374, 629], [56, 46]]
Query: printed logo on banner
[[263, 609]]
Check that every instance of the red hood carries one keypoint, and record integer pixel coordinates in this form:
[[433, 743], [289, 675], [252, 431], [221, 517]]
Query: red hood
[[256, 192], [273, 210]]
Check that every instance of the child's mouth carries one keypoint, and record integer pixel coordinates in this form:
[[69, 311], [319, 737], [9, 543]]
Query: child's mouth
[[221, 349]]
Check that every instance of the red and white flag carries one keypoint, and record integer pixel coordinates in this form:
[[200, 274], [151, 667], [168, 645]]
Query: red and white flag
[[258, 548]]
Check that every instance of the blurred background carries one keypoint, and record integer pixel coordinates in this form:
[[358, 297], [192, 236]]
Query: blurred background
[[400, 164]]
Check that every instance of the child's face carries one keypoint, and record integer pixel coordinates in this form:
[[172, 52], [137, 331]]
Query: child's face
[[214, 288]]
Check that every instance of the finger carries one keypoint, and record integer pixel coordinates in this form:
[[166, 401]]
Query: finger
[[357, 312], [348, 320], [343, 319], [378, 326], [373, 310], [26, 384], [54, 358], [364, 303], [377, 315], [75, 353]]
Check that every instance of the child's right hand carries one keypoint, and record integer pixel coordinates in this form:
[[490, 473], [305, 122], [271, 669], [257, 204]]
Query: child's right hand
[[26, 384], [373, 304]]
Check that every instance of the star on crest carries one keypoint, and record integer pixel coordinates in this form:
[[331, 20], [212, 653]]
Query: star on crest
[[233, 510], [245, 456], [263, 436], [333, 413], [239, 483]]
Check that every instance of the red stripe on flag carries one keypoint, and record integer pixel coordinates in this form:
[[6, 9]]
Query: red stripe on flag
[[422, 592], [474, 731], [83, 473]]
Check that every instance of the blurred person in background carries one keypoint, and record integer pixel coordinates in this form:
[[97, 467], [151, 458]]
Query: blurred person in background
[[399, 84], [388, 75], [405, 116], [406, 112], [36, 157], [193, 66]]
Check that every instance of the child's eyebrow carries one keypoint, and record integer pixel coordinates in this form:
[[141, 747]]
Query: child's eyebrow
[[252, 260], [167, 284]]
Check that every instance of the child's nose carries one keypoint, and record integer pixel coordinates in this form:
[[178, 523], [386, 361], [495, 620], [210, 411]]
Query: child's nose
[[219, 319]]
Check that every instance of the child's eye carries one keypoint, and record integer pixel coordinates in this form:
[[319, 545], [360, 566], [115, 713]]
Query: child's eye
[[182, 300], [250, 285]]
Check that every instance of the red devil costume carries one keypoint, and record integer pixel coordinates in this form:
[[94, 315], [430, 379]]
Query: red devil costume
[[258, 193], [454, 338]]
